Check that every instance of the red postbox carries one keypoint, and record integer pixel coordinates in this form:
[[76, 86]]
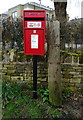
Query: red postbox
[[34, 25]]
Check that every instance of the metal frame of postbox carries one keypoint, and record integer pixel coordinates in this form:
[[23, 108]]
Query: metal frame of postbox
[[34, 27]]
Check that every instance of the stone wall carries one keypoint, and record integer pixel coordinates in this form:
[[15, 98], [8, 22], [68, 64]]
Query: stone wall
[[19, 71], [22, 72], [72, 75]]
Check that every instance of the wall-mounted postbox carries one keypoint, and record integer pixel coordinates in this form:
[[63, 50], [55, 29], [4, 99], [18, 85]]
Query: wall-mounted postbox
[[34, 26]]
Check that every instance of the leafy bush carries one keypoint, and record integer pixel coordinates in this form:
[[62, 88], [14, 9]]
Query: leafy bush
[[12, 32], [11, 92], [17, 102], [44, 93], [66, 94]]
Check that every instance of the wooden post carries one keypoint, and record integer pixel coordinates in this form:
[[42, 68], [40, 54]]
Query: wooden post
[[54, 67]]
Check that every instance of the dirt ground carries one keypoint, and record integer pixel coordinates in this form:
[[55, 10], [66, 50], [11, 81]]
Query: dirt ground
[[73, 109]]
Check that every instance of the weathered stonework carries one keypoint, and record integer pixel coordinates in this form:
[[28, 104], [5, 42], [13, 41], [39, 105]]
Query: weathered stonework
[[71, 74]]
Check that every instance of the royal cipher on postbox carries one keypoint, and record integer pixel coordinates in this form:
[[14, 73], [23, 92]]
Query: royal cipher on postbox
[[34, 28]]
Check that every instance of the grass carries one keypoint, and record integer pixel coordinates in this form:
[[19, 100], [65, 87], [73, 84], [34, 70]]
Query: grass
[[18, 103]]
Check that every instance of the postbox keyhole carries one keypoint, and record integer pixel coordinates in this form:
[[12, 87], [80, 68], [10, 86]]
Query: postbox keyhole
[[34, 31]]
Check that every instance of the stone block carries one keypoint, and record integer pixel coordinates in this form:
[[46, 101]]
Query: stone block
[[10, 71], [77, 76], [5, 77], [77, 80], [0, 68], [43, 80], [65, 84], [4, 68], [38, 82], [4, 71], [38, 71], [74, 89], [79, 85], [29, 78], [21, 78], [67, 76], [6, 65], [29, 82], [39, 79], [11, 65], [65, 80], [15, 78]]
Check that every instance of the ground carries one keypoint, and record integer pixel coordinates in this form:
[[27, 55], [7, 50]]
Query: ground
[[72, 109], [19, 103]]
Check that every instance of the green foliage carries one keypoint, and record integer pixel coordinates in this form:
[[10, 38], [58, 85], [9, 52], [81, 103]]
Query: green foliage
[[41, 58], [11, 110], [14, 97], [22, 105], [66, 94], [80, 52], [54, 113], [17, 103], [30, 87], [33, 110], [73, 54], [74, 31], [13, 32], [71, 33], [11, 91], [21, 57], [44, 93]]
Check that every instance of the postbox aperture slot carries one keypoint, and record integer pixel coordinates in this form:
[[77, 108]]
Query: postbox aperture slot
[[35, 19]]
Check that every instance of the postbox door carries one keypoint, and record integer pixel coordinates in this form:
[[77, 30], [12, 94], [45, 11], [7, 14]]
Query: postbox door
[[34, 42]]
